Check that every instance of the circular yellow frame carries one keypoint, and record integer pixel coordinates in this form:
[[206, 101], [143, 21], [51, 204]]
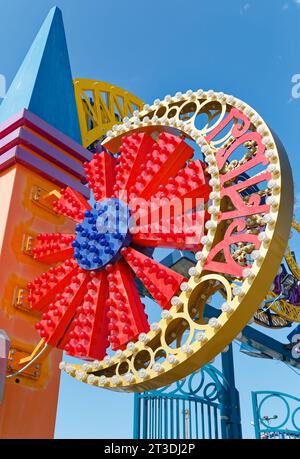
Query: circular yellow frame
[[165, 364]]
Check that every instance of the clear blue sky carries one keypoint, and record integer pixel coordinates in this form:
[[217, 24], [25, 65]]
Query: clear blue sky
[[152, 48]]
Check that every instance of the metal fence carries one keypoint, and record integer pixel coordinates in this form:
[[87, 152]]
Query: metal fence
[[275, 415], [194, 408]]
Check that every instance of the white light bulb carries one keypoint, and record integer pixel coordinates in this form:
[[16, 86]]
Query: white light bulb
[[200, 336], [199, 256], [267, 140], [254, 118], [69, 369], [176, 301], [271, 200], [157, 367], [143, 338], [205, 240], [86, 367], [272, 184], [155, 326], [119, 354], [256, 255], [91, 379], [267, 219], [270, 154], [107, 360], [247, 273], [102, 379], [62, 365], [115, 379], [226, 307], [213, 195], [81, 375], [185, 287], [210, 225], [193, 271], [237, 290], [212, 210], [172, 359], [199, 92], [96, 365], [165, 314], [212, 170], [263, 237], [214, 323], [142, 373], [129, 377], [272, 168], [131, 346], [186, 348], [213, 182]]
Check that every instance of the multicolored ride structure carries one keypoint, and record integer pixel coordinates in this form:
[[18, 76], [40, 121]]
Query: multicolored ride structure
[[93, 181]]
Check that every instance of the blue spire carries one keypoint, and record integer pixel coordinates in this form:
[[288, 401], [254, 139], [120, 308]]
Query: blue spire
[[43, 83]]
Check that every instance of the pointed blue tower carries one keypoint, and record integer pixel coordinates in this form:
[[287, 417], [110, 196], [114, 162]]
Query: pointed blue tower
[[43, 83]]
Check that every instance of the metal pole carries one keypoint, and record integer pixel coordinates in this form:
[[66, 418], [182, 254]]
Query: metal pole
[[136, 417], [186, 420], [255, 415], [232, 410]]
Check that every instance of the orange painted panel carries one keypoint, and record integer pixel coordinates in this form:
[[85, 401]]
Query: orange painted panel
[[29, 405]]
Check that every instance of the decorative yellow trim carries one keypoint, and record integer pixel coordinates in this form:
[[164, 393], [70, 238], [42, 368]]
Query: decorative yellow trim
[[100, 106]]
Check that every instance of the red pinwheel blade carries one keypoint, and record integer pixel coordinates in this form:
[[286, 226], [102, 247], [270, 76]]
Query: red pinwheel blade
[[58, 315], [45, 287], [52, 248], [190, 182], [161, 282], [165, 159], [169, 240], [71, 204], [126, 311], [133, 151], [100, 173], [88, 332], [183, 232]]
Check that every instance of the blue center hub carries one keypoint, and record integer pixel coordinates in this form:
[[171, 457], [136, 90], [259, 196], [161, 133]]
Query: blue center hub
[[102, 234]]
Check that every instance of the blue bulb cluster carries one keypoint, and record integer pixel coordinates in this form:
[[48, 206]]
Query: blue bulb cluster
[[102, 234]]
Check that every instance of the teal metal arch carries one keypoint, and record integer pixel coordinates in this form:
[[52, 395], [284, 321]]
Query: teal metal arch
[[203, 405], [277, 426]]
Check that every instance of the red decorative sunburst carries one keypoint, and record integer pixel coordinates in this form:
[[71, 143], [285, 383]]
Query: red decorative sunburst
[[89, 298]]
